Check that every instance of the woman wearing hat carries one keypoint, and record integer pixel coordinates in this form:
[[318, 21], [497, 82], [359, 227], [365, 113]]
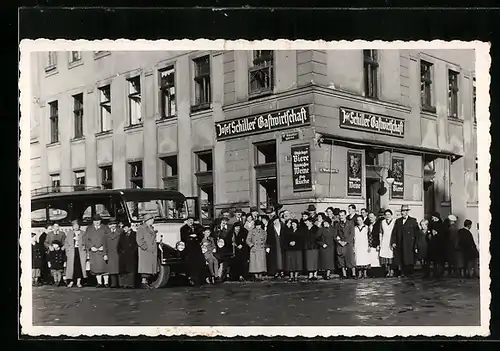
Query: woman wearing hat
[[327, 247], [256, 240], [242, 252], [76, 255], [148, 250], [311, 246], [127, 252], [97, 250], [436, 244]]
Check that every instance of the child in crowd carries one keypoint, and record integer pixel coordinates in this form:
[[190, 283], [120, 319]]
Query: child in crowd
[[208, 249], [57, 261], [36, 259]]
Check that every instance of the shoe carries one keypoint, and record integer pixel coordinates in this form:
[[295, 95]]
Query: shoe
[[99, 286], [70, 285], [145, 286], [106, 286], [78, 285], [241, 279]]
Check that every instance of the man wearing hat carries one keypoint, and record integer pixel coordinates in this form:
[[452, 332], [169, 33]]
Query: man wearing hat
[[312, 210], [191, 235], [97, 250], [113, 260], [236, 218], [148, 250], [404, 241], [351, 213], [222, 237]]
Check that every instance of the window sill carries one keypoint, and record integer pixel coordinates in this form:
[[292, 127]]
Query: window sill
[[200, 108], [75, 64], [78, 139], [102, 54], [103, 133], [166, 120], [455, 120], [200, 112], [54, 144], [428, 109], [50, 71], [428, 115], [133, 127], [260, 94]]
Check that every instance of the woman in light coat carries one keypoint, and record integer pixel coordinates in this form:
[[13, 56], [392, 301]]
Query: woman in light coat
[[76, 255], [256, 240], [148, 250]]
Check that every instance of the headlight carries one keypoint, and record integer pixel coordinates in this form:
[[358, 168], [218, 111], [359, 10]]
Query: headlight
[[220, 243], [180, 246]]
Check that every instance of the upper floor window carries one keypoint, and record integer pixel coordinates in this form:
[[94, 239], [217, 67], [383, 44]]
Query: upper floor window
[[202, 91], [134, 100], [474, 99], [204, 162], [105, 108], [370, 64], [78, 115], [107, 177], [170, 172], [136, 180], [99, 54], [51, 63], [167, 92], [452, 94], [54, 121], [261, 78], [55, 182], [426, 86], [79, 180], [75, 56]]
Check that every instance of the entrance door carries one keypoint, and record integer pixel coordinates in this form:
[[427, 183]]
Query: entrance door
[[429, 198], [372, 195]]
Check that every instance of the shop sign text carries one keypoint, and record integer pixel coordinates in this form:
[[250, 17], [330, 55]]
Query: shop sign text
[[354, 175], [369, 122], [301, 168]]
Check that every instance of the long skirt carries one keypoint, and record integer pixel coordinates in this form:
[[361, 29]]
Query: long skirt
[[311, 260], [77, 265], [293, 261], [327, 258], [257, 261]]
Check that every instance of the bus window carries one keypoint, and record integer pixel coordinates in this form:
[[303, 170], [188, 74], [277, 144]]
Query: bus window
[[39, 216], [160, 209], [59, 212], [86, 207]]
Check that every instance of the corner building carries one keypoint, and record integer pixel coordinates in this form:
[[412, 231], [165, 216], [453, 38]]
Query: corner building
[[375, 128]]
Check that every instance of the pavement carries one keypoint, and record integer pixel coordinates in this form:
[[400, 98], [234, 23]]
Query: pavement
[[366, 302]]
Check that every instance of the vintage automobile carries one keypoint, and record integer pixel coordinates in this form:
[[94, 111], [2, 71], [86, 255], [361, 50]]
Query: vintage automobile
[[170, 210]]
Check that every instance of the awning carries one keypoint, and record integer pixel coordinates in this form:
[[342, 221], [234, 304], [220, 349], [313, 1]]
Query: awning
[[387, 146]]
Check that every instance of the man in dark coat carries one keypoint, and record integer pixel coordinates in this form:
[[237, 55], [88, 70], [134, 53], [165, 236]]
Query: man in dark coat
[[344, 237], [404, 240], [224, 247], [113, 267], [468, 249], [351, 215], [127, 253], [195, 261], [275, 230]]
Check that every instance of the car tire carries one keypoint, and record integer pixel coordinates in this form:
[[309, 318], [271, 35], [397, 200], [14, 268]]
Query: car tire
[[162, 278]]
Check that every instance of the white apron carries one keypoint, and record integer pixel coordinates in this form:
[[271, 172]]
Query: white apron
[[361, 246], [385, 239]]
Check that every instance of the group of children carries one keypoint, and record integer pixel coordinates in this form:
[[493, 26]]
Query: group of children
[[56, 260]]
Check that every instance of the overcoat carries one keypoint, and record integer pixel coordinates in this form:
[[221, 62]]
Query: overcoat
[[148, 249], [256, 240], [467, 245], [195, 260], [53, 236], [37, 255], [241, 256], [69, 246], [436, 243], [127, 252], [421, 244], [405, 238], [225, 252], [345, 254], [327, 255], [97, 238], [274, 242], [113, 258]]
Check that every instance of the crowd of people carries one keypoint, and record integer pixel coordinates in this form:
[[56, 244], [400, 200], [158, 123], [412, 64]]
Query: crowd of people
[[242, 246]]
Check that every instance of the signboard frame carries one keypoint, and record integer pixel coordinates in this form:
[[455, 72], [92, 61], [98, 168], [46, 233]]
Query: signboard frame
[[398, 171], [305, 150], [354, 167], [371, 121]]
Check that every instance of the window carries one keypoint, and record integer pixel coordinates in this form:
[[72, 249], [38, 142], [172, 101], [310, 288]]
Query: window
[[370, 59], [452, 94], [99, 54], [261, 73], [55, 181], [79, 180], [477, 169], [78, 115], [426, 86], [167, 92], [202, 83], [54, 121], [134, 100], [105, 107], [136, 180], [75, 56], [170, 172], [51, 61], [474, 99], [265, 174], [205, 183], [107, 177]]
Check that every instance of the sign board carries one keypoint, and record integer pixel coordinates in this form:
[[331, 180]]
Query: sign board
[[370, 122], [267, 122], [398, 171], [354, 175], [290, 136], [329, 170], [301, 168]]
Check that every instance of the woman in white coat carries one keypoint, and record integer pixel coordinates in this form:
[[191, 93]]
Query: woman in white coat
[[385, 252]]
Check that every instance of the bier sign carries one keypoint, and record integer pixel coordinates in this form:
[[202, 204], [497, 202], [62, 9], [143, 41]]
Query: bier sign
[[398, 171], [301, 168], [354, 175], [267, 122], [370, 122]]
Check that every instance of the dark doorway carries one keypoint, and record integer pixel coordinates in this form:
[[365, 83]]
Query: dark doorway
[[373, 194], [429, 198]]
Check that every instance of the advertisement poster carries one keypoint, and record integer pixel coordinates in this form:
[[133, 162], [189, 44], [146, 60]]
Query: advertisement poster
[[301, 168], [354, 175], [398, 171]]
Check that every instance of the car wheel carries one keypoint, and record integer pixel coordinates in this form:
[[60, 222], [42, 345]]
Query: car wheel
[[160, 280]]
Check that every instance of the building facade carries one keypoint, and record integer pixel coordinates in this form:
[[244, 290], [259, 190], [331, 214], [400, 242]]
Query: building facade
[[375, 128]]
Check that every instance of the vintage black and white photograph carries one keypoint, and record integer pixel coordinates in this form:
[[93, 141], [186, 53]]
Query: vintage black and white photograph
[[254, 188]]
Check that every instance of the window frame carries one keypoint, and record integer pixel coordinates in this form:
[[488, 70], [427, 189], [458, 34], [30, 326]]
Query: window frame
[[453, 94], [101, 54], [102, 105], [200, 79], [51, 63], [371, 73], [427, 82], [169, 182], [79, 186], [55, 188], [131, 98], [474, 92], [54, 121], [133, 179], [78, 117], [106, 183], [261, 63], [72, 60], [164, 89]]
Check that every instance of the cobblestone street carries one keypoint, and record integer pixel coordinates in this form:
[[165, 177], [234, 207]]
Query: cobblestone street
[[370, 302]]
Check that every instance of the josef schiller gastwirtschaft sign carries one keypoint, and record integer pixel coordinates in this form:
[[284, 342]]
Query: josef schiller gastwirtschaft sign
[[370, 122], [255, 124]]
